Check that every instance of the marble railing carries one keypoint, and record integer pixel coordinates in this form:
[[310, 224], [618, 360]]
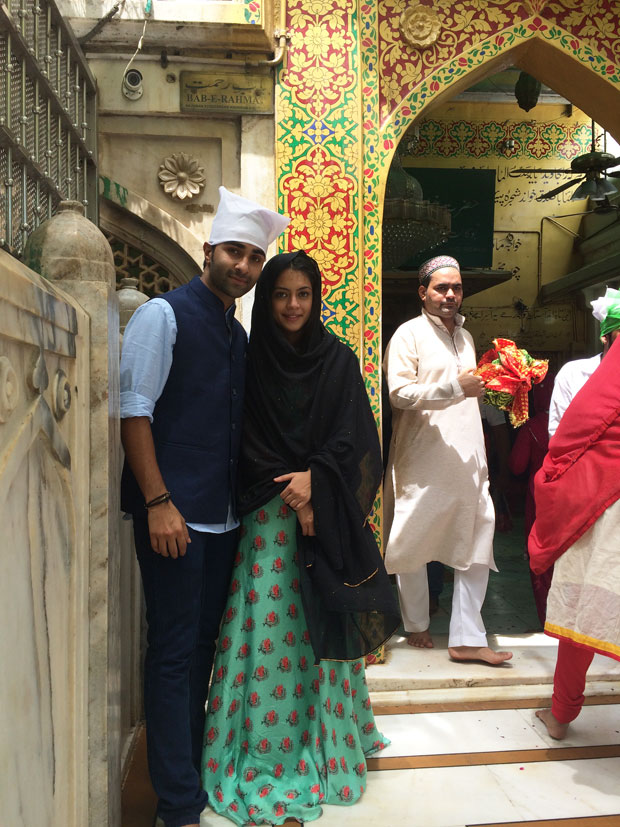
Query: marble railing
[[60, 679], [70, 594]]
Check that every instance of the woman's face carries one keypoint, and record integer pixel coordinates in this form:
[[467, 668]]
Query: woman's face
[[291, 303]]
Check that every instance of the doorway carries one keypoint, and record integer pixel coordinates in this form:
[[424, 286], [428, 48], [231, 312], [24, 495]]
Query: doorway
[[521, 232]]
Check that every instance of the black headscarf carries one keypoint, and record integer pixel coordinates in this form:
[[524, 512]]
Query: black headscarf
[[306, 407]]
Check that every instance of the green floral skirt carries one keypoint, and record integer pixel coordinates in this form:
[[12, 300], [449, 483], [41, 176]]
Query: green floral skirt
[[282, 736]]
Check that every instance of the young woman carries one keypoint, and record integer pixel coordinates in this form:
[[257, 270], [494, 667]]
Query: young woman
[[289, 723]]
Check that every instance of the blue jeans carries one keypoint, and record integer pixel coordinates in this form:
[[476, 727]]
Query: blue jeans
[[185, 599]]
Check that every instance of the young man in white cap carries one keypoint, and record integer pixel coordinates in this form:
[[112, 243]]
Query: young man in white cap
[[182, 383]]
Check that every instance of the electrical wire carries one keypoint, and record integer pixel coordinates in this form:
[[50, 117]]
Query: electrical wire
[[147, 14]]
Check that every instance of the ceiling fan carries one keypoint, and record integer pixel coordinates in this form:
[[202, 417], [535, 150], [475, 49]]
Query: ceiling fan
[[592, 165], [602, 207]]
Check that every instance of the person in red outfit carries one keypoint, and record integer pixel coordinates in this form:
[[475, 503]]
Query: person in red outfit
[[577, 523]]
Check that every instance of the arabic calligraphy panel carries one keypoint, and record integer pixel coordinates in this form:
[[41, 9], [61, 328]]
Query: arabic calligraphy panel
[[238, 92]]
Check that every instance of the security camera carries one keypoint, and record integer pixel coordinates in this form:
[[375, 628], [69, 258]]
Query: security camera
[[132, 85]]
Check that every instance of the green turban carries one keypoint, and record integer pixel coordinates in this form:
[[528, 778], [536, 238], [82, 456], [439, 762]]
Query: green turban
[[607, 310]]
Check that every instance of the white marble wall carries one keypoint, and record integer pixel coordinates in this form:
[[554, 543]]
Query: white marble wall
[[73, 254], [44, 505]]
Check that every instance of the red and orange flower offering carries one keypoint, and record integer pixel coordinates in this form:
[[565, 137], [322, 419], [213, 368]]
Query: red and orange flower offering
[[508, 373]]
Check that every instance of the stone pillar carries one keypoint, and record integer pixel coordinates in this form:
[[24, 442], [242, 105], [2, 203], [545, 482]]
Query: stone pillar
[[71, 250], [129, 300]]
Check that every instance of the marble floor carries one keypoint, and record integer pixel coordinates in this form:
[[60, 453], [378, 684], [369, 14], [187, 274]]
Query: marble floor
[[519, 775], [466, 748]]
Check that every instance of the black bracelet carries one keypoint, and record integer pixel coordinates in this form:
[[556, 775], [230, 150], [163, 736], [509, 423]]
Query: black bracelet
[[163, 498]]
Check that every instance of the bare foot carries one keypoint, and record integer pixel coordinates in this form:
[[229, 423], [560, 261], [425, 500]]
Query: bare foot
[[555, 728], [483, 653], [422, 640]]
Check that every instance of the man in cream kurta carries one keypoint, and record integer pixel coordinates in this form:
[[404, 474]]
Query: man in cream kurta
[[437, 502]]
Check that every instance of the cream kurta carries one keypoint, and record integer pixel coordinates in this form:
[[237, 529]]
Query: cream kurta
[[437, 502]]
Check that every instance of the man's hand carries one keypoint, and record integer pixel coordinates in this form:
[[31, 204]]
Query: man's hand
[[167, 530], [299, 490], [305, 515], [471, 385]]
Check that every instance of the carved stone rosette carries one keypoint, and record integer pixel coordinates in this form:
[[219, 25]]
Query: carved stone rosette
[[420, 26], [62, 395], [181, 177]]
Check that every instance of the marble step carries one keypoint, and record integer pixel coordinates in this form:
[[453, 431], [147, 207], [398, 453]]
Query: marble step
[[429, 676], [506, 769], [469, 796], [494, 731]]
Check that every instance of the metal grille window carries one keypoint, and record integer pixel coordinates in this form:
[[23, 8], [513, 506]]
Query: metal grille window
[[48, 135], [153, 278]]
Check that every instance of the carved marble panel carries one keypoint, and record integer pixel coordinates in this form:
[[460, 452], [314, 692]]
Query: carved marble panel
[[44, 446]]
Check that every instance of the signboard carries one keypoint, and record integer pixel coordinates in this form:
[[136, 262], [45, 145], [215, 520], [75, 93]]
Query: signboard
[[231, 92]]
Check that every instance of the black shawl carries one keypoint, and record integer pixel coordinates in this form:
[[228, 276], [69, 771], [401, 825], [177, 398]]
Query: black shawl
[[306, 407]]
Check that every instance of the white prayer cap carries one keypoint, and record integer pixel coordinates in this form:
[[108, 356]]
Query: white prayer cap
[[238, 219]]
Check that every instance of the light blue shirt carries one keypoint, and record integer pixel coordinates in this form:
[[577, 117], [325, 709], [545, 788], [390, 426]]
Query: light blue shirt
[[146, 359]]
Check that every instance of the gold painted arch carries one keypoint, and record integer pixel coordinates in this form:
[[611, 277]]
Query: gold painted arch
[[585, 77], [555, 63]]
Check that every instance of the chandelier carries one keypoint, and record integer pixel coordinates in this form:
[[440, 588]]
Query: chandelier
[[410, 224]]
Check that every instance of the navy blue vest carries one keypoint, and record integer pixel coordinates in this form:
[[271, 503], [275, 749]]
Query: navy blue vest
[[197, 419]]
